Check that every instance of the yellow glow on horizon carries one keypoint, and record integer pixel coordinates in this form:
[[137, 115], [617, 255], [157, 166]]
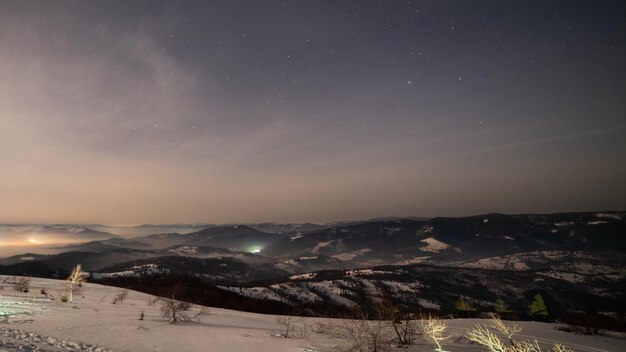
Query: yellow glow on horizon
[[27, 242], [17, 244], [33, 239]]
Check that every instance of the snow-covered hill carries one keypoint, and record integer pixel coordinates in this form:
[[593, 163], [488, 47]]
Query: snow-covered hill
[[36, 322]]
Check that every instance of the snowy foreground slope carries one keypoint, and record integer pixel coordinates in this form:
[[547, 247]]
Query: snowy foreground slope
[[33, 322]]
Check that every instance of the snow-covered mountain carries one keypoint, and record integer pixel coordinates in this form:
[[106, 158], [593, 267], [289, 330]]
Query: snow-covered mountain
[[452, 239]]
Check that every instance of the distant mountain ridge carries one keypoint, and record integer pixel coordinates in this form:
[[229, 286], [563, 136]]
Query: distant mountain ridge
[[566, 255], [237, 237], [454, 239], [386, 241]]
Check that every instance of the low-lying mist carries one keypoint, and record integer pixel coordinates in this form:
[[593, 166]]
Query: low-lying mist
[[19, 239]]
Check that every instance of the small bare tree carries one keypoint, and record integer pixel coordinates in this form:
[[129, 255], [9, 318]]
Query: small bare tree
[[434, 329], [176, 311], [76, 277], [286, 322], [507, 330], [173, 309]]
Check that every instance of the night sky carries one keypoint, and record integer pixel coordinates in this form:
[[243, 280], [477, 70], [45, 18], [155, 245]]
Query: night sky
[[128, 112]]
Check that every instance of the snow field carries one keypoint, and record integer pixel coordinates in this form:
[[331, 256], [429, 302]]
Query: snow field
[[33, 322]]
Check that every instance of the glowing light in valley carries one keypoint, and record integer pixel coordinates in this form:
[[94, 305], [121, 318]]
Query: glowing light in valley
[[256, 250]]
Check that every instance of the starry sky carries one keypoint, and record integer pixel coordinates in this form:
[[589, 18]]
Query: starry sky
[[130, 112]]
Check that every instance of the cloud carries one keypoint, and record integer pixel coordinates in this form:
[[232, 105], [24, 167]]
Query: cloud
[[108, 94]]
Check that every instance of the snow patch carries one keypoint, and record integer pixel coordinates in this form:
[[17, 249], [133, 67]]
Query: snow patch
[[415, 260], [564, 223], [366, 272], [402, 286], [296, 236], [565, 276], [137, 270], [185, 250], [296, 292], [321, 245], [306, 276], [351, 255], [498, 263], [432, 245], [597, 222], [609, 216], [329, 289]]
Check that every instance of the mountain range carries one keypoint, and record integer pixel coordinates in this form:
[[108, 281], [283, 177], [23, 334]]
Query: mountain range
[[570, 257]]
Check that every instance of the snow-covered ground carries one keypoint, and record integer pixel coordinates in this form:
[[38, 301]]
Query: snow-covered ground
[[33, 322]]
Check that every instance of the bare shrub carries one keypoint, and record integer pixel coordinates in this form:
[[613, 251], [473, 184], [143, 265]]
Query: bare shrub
[[407, 331], [176, 311], [385, 327], [364, 332], [305, 333], [289, 328], [120, 296], [484, 336], [560, 348], [286, 322], [22, 284]]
